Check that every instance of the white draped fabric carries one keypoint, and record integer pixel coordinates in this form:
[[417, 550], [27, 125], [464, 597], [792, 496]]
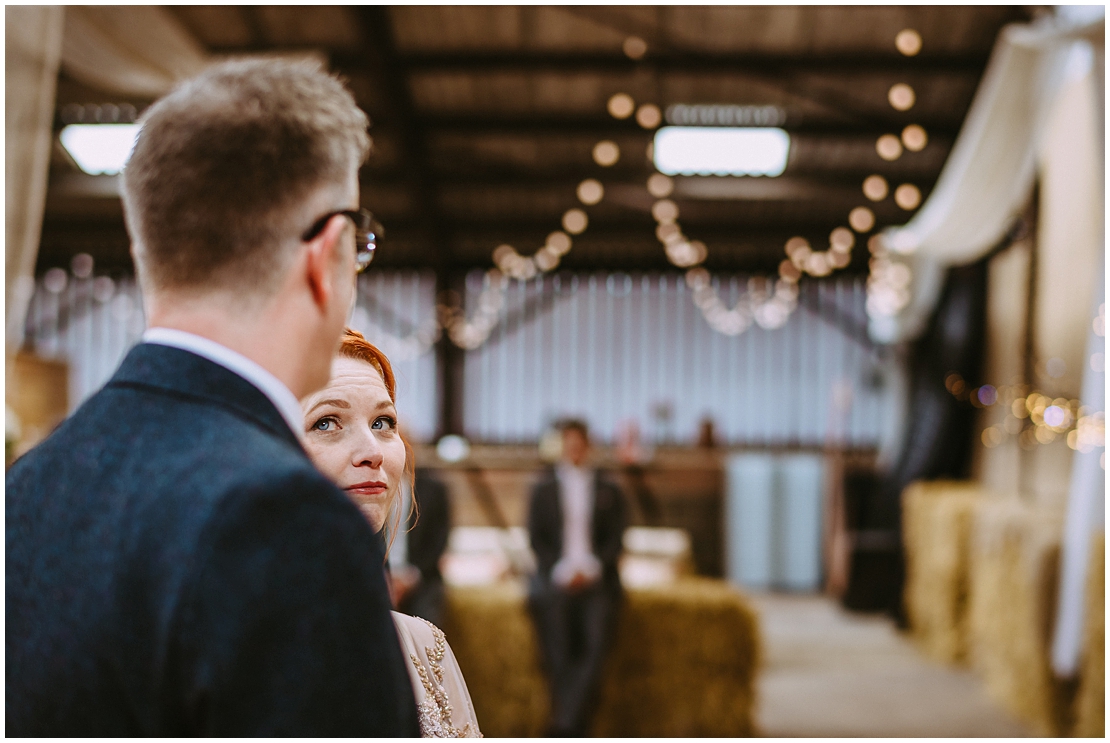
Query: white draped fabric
[[989, 174], [985, 184], [132, 50], [33, 38], [1086, 509], [1086, 514]]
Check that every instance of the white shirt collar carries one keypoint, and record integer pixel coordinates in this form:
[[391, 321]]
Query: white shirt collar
[[270, 386], [566, 469]]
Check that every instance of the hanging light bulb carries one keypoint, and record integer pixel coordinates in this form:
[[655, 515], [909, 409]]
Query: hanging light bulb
[[621, 106]]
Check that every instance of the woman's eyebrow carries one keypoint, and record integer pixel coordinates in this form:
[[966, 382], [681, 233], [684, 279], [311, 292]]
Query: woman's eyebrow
[[336, 402]]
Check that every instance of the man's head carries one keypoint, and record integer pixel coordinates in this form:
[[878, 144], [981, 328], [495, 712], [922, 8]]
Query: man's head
[[576, 442], [231, 169]]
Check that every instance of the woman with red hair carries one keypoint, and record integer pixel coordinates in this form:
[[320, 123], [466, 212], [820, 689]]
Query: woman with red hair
[[351, 435]]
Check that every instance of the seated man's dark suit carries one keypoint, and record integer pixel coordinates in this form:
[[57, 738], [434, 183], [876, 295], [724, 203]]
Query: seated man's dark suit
[[575, 629], [176, 566], [427, 541]]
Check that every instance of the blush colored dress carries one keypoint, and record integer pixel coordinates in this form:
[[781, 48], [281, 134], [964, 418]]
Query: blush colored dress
[[442, 699]]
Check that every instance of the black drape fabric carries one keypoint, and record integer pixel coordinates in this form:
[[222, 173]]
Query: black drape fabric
[[938, 436]]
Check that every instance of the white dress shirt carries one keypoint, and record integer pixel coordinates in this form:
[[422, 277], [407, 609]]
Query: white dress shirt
[[576, 494], [269, 385]]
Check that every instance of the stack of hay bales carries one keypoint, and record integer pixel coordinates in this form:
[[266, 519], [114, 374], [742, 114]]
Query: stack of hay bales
[[936, 521], [684, 663], [492, 637], [1091, 703], [1012, 591]]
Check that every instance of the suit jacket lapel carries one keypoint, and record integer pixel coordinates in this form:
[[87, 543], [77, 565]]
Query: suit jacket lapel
[[178, 372]]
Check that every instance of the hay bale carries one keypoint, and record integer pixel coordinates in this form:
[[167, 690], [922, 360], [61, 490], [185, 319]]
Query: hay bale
[[492, 637], [684, 662], [936, 524], [1091, 703], [1013, 577]]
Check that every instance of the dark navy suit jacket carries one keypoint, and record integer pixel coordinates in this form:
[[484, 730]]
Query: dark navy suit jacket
[[177, 566]]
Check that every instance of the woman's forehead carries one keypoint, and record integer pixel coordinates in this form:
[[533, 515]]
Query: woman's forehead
[[355, 376]]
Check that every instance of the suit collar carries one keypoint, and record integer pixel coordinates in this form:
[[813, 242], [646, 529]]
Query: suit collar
[[272, 387], [183, 373]]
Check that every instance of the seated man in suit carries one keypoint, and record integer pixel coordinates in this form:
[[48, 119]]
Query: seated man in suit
[[576, 523], [175, 564], [416, 579]]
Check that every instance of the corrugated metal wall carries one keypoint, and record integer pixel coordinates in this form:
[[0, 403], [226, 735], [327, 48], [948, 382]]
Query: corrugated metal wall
[[606, 347], [615, 347]]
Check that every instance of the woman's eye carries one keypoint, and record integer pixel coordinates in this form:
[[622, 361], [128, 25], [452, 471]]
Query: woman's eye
[[324, 424], [384, 423]]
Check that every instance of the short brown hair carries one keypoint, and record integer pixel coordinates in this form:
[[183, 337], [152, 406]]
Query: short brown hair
[[575, 424], [215, 185]]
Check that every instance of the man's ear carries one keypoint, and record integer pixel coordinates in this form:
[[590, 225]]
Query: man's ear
[[321, 258]]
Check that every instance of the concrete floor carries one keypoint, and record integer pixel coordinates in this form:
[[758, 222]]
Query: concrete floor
[[832, 673]]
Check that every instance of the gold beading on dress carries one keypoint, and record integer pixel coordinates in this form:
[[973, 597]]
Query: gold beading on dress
[[435, 719]]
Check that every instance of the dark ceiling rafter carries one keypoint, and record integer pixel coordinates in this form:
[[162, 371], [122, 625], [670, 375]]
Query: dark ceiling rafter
[[377, 28], [461, 170], [655, 34], [567, 179], [252, 19], [686, 61], [606, 126]]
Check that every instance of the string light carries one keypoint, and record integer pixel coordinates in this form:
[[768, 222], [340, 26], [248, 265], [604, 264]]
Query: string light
[[621, 106], [875, 187], [907, 196], [82, 265], [770, 307], [664, 211], [590, 191], [889, 147], [888, 281], [819, 263], [861, 219], [649, 116], [55, 280], [606, 153], [470, 333], [901, 97], [575, 221], [399, 348], [660, 186], [908, 42], [634, 47], [1051, 418], [914, 138]]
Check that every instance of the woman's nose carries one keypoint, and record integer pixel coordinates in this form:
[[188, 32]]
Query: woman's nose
[[369, 451]]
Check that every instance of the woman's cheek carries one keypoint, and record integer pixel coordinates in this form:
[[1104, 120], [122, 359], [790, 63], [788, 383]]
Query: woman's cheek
[[397, 456]]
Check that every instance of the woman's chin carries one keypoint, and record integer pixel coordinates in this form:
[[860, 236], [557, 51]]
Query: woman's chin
[[374, 514]]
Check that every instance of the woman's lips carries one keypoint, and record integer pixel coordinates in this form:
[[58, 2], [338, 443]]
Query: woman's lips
[[367, 488]]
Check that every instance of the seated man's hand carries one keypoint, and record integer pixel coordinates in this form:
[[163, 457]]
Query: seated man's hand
[[402, 580], [579, 582]]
